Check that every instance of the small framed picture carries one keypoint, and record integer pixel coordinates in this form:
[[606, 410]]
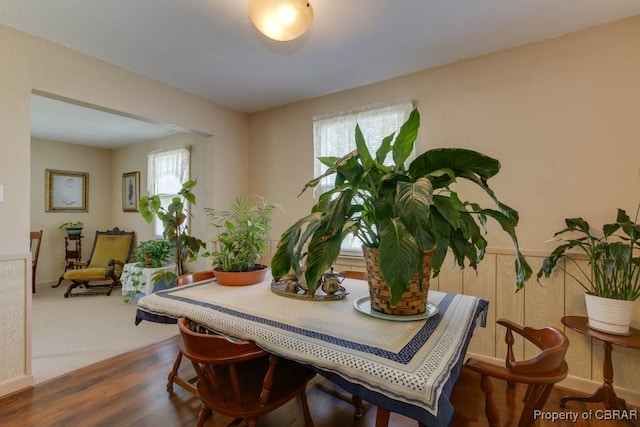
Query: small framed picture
[[130, 191], [66, 191]]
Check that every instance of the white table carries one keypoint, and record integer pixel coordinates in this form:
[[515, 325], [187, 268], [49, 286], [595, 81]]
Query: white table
[[144, 276], [404, 367]]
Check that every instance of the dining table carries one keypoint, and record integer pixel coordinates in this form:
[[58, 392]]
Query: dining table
[[401, 364]]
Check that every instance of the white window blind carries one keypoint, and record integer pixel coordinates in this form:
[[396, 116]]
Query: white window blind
[[166, 171], [335, 136]]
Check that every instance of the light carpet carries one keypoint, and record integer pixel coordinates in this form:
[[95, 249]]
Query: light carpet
[[70, 333]]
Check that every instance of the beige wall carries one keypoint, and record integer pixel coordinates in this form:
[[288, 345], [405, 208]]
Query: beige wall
[[30, 63], [96, 162], [560, 115]]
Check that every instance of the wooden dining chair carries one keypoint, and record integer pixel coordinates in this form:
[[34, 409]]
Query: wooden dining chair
[[240, 380], [353, 274], [174, 376], [540, 373], [35, 241]]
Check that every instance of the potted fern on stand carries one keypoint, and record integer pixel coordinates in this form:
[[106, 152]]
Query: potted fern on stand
[[407, 218], [612, 283]]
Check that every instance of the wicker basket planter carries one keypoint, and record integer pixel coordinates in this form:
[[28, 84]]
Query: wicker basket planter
[[413, 301]]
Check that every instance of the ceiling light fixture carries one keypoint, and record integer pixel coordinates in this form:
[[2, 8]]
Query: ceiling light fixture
[[281, 20]]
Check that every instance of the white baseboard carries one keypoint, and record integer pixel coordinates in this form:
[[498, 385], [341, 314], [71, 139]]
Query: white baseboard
[[576, 384], [16, 384]]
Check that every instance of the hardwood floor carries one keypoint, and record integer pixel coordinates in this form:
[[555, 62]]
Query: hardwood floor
[[129, 390]]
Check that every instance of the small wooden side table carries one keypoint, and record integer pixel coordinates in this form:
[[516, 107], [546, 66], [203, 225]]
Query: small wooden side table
[[604, 393], [72, 252]]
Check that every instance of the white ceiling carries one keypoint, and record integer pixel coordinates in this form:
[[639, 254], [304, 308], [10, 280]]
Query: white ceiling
[[210, 48]]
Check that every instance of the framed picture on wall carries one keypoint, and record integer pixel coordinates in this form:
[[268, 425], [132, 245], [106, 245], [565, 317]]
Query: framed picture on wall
[[130, 191], [66, 191]]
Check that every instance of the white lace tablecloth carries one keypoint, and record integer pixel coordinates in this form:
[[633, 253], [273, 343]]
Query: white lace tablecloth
[[406, 367]]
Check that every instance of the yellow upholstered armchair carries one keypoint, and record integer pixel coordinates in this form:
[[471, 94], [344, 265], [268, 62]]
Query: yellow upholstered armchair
[[111, 251]]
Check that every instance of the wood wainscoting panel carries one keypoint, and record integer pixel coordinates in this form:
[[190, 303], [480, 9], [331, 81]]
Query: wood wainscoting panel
[[544, 304], [482, 283], [450, 278], [579, 355], [509, 303]]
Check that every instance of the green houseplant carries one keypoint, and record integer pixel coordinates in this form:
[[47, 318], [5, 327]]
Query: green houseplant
[[73, 228], [614, 265], [174, 219], [153, 253], [406, 213], [242, 237]]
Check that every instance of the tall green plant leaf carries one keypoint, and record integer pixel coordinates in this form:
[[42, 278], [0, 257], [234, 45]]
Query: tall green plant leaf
[[412, 204], [459, 160], [399, 256], [403, 145], [363, 151]]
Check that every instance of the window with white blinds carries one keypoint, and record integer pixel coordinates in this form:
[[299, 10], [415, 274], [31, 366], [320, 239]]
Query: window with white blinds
[[166, 171], [335, 136]]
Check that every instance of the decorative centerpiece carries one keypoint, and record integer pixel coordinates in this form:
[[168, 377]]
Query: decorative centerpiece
[[612, 282], [407, 219], [243, 237], [292, 287]]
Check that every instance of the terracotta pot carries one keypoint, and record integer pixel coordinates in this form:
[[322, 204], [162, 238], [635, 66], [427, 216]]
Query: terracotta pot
[[147, 260], [241, 278], [612, 316]]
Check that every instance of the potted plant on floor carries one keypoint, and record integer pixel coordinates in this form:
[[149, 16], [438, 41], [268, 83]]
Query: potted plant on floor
[[612, 282], [73, 228], [243, 237], [175, 222], [406, 217]]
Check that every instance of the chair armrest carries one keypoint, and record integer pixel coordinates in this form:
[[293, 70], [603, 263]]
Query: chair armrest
[[113, 262], [511, 325], [111, 269], [551, 355], [496, 371]]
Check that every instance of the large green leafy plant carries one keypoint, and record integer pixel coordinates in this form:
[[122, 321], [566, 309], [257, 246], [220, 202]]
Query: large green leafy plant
[[402, 211], [153, 253], [614, 270], [243, 234], [175, 223]]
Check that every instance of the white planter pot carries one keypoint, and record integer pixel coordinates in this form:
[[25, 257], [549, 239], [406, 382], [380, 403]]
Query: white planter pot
[[612, 316]]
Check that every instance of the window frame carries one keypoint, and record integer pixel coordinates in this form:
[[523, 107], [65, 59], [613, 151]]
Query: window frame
[[330, 132], [176, 164]]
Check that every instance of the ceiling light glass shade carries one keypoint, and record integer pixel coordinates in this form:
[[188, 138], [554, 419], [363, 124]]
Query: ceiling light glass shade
[[281, 20]]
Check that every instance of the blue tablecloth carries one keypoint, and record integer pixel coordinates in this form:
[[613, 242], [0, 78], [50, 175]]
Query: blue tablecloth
[[406, 367]]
